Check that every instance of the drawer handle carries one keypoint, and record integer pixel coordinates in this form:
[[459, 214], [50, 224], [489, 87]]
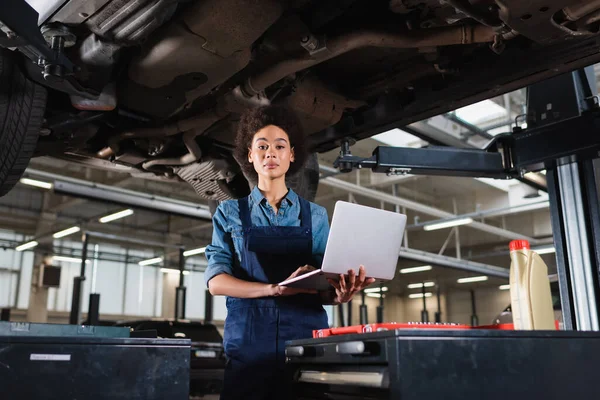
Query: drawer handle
[[294, 351], [350, 348]]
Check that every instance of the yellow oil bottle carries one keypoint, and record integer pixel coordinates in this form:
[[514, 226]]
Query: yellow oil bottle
[[531, 301]]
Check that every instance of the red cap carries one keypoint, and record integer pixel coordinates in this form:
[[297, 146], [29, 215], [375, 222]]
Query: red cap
[[519, 245]]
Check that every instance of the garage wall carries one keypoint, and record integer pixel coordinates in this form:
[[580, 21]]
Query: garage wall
[[489, 303]]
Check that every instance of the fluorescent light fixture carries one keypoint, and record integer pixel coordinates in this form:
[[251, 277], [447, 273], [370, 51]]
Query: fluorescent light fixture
[[193, 252], [504, 287], [26, 246], [68, 259], [36, 183], [151, 261], [420, 285], [419, 295], [376, 290], [173, 271], [545, 250], [415, 269], [472, 279], [120, 214], [66, 232], [448, 224], [377, 295]]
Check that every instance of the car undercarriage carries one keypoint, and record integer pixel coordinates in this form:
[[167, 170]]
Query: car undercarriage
[[155, 87]]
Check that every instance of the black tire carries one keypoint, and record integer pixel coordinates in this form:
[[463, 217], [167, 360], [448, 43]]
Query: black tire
[[306, 182], [22, 105]]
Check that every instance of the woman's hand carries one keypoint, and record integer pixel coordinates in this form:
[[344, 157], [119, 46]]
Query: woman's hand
[[349, 284], [276, 290]]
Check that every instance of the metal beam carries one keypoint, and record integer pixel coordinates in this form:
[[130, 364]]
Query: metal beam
[[450, 262], [105, 193], [413, 205]]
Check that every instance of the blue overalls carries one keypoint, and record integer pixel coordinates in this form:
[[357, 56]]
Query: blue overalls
[[256, 329]]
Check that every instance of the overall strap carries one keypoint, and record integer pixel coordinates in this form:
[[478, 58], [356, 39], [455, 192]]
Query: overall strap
[[245, 213], [305, 214]]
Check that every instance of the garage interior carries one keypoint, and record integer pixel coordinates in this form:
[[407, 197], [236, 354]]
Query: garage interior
[[147, 276], [146, 262]]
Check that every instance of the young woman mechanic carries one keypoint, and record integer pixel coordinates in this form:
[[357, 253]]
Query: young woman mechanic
[[261, 240]]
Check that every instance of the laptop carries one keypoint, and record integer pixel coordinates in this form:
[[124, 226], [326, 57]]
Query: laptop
[[359, 235]]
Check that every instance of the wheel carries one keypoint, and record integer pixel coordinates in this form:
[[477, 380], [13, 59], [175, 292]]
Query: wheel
[[22, 105], [306, 182]]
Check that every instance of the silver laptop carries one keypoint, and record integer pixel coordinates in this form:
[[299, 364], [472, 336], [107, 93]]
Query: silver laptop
[[359, 235]]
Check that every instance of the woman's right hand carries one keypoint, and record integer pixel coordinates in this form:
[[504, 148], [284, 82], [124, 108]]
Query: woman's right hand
[[276, 290]]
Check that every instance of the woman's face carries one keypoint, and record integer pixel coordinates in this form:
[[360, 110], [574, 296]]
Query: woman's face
[[271, 153]]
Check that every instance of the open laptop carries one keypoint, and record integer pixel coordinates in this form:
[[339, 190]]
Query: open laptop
[[359, 235]]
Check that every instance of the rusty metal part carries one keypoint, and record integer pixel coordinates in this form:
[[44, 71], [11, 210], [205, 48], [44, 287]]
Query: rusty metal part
[[105, 153], [318, 107], [534, 20], [467, 9], [574, 12], [192, 127], [591, 18], [343, 44], [196, 124], [213, 37], [185, 159]]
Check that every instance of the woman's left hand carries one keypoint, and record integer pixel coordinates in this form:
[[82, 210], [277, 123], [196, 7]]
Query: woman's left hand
[[350, 284]]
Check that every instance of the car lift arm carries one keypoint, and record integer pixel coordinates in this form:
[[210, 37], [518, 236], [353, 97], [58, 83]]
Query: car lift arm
[[427, 161]]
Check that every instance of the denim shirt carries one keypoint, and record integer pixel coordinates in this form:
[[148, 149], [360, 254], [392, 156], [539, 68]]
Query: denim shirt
[[227, 238]]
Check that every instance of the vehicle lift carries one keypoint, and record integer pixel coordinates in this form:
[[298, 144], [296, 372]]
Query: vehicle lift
[[562, 137]]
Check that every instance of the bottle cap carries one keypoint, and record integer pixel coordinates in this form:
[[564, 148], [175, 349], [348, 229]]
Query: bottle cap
[[519, 245]]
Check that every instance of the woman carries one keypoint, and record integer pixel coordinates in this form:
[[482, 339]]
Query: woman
[[263, 239]]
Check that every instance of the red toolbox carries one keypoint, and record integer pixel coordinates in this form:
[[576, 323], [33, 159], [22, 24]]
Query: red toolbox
[[367, 328]]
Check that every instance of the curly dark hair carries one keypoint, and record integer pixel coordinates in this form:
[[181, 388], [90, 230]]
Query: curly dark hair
[[254, 120]]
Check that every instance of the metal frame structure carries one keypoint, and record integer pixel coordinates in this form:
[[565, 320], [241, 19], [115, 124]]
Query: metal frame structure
[[563, 120], [180, 291]]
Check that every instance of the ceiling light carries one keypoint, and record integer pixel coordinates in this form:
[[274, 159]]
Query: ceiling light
[[112, 217], [377, 295], [545, 250], [68, 259], [504, 287], [151, 261], [26, 246], [472, 279], [415, 269], [376, 290], [419, 295], [420, 285], [36, 183], [193, 252], [173, 271], [448, 224], [66, 232]]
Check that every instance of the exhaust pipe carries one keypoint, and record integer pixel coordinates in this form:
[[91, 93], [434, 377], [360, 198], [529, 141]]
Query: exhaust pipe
[[345, 43]]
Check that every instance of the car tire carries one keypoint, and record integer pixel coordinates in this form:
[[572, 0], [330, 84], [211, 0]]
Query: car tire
[[22, 105], [306, 182]]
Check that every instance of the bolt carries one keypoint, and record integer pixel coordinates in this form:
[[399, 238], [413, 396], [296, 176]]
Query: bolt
[[305, 39]]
